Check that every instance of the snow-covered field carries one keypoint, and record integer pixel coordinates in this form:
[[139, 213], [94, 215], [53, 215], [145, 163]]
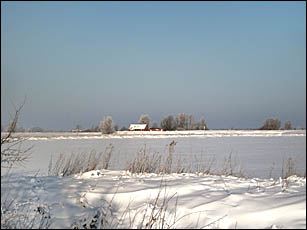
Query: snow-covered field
[[191, 200], [122, 200], [161, 134], [259, 153]]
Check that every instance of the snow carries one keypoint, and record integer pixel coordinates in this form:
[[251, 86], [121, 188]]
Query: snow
[[161, 134], [191, 200], [260, 153], [199, 201], [137, 126]]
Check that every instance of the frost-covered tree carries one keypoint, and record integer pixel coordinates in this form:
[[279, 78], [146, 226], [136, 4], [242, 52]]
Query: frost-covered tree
[[288, 125], [144, 119], [154, 125], [35, 129], [182, 121], [106, 125], [271, 124], [168, 123], [191, 123], [202, 125]]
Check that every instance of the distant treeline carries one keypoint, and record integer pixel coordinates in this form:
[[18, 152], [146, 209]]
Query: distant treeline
[[182, 121]]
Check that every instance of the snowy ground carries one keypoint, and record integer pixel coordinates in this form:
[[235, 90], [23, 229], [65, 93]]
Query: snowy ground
[[161, 134], [260, 153], [122, 200]]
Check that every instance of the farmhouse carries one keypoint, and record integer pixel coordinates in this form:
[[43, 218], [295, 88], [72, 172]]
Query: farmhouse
[[138, 127]]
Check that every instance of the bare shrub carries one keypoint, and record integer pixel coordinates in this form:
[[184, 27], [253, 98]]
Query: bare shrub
[[12, 152], [155, 163], [203, 165], [173, 163], [158, 214], [80, 163], [230, 167], [289, 168], [144, 163], [24, 215], [18, 214]]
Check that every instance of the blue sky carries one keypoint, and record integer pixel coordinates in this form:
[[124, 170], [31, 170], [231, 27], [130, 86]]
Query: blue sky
[[234, 64]]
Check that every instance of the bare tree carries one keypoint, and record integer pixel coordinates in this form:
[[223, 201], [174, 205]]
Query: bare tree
[[191, 122], [11, 127], [106, 125], [182, 121], [11, 153], [35, 129], [168, 123], [15, 213], [288, 125], [144, 119], [271, 124], [202, 125]]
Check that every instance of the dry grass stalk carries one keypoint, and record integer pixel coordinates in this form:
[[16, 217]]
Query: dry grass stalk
[[80, 163]]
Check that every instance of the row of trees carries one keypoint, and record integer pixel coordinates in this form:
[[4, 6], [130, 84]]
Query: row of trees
[[275, 124], [182, 121], [12, 127], [185, 121]]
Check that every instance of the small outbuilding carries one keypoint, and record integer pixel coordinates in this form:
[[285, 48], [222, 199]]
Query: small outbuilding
[[138, 127]]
